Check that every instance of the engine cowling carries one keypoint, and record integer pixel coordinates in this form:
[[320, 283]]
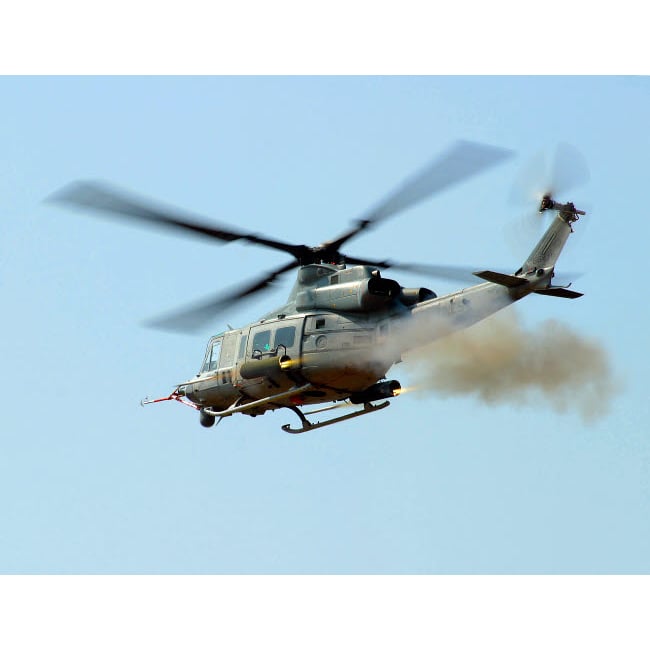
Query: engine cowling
[[371, 294], [411, 297]]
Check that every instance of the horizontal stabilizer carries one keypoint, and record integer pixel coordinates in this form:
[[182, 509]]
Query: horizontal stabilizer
[[559, 292], [502, 278]]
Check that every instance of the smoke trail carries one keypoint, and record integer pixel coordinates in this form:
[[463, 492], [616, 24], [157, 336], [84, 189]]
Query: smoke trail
[[500, 362]]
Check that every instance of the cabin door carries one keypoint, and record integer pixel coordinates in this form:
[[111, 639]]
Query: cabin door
[[276, 339]]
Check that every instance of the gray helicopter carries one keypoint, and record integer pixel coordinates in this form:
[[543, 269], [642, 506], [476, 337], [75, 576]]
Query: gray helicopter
[[344, 325]]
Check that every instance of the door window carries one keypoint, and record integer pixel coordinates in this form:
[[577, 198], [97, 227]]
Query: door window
[[262, 342], [285, 336]]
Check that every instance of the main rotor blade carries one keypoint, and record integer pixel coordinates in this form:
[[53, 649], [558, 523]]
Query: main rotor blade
[[448, 271], [194, 317], [103, 198], [461, 161], [442, 271]]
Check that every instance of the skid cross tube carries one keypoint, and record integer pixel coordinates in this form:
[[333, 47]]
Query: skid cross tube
[[309, 426]]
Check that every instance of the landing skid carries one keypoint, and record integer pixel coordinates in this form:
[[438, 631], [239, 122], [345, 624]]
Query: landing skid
[[310, 426]]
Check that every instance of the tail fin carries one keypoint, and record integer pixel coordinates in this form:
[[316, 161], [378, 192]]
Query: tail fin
[[536, 272]]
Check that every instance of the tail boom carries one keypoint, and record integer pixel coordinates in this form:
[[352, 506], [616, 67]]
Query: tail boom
[[443, 315]]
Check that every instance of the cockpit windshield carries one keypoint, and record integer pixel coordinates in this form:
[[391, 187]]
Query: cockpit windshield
[[212, 354]]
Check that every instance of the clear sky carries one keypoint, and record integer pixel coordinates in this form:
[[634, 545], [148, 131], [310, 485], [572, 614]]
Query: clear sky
[[90, 482]]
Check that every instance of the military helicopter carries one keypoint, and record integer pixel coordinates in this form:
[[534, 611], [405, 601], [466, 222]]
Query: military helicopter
[[343, 325]]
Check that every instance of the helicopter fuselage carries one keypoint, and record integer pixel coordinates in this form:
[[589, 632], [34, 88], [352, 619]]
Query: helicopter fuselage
[[342, 329]]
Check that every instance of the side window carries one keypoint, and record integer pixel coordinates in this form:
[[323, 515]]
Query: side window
[[285, 336], [262, 341], [242, 346]]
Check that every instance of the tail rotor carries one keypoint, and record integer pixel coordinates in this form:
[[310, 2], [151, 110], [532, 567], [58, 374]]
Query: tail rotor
[[539, 183]]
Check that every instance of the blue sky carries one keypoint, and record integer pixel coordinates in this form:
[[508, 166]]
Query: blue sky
[[90, 482]]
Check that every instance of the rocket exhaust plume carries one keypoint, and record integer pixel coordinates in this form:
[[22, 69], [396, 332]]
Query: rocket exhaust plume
[[501, 362]]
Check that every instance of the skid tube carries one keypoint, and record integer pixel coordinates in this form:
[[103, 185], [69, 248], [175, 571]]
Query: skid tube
[[309, 426]]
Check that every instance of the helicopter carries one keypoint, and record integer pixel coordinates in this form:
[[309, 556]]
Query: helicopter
[[344, 324]]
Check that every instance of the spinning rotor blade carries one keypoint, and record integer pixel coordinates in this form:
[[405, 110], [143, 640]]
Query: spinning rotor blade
[[442, 271], [447, 272], [568, 171], [541, 175], [461, 161], [544, 175], [192, 318], [530, 182], [103, 198]]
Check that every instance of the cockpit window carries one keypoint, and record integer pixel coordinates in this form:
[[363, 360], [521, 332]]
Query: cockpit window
[[212, 356]]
